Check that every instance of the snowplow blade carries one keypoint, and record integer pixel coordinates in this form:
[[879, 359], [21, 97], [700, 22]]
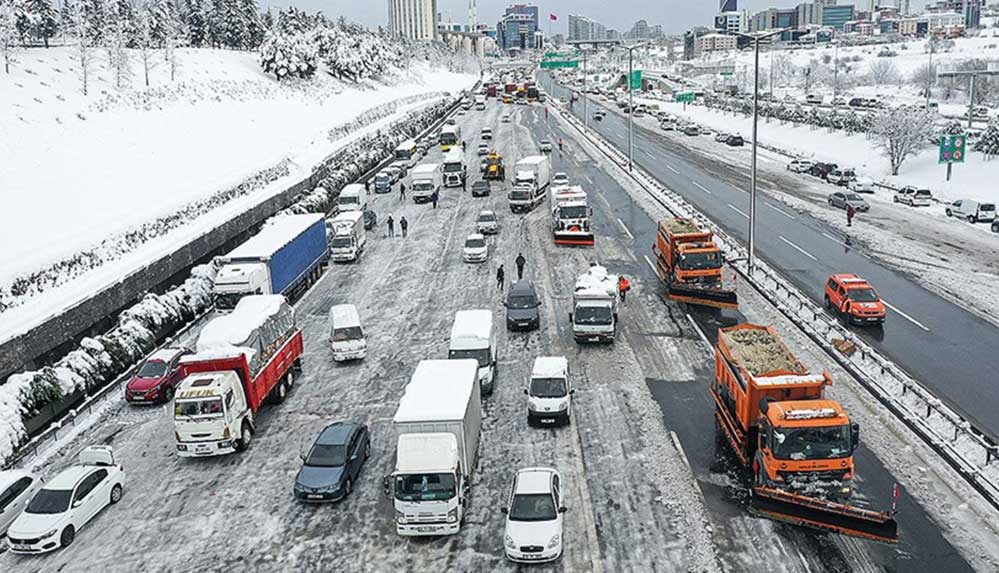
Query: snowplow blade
[[824, 515], [717, 298], [578, 240]]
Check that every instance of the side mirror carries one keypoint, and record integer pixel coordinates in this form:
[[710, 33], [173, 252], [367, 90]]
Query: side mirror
[[503, 510], [78, 503], [570, 317], [386, 485], [301, 456], [573, 391], [525, 391], [563, 509], [855, 435]]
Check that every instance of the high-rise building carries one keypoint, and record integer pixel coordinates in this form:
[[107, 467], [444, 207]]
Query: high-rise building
[[583, 28], [835, 16], [732, 22], [639, 31], [413, 19], [728, 6], [519, 28]]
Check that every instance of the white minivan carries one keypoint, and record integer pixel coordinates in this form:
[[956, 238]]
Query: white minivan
[[346, 335], [549, 393], [472, 336], [971, 210]]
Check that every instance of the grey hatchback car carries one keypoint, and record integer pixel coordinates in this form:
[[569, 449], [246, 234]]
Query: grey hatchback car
[[841, 199], [333, 462], [522, 307]]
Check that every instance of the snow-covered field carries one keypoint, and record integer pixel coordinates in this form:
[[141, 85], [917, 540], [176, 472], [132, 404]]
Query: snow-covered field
[[80, 170]]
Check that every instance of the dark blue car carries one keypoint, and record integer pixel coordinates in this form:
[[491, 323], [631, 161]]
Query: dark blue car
[[333, 463]]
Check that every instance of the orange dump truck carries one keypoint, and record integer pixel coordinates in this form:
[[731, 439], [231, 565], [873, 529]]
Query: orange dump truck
[[800, 445], [690, 264]]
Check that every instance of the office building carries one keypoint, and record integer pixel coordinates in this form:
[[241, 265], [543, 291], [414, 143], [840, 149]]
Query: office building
[[518, 29], [639, 31], [413, 19], [583, 28], [835, 17], [732, 22], [714, 43]]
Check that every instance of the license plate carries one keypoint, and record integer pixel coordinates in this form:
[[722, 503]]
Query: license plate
[[202, 449], [548, 420], [315, 496], [426, 528], [138, 397], [594, 339], [21, 547]]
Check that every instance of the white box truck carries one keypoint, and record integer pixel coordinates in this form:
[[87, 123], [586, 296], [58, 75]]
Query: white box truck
[[531, 178], [427, 178], [353, 197], [349, 236], [455, 171], [437, 429], [571, 216], [472, 337], [594, 312]]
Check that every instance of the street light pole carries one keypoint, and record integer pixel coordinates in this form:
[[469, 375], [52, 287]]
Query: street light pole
[[631, 103], [586, 116]]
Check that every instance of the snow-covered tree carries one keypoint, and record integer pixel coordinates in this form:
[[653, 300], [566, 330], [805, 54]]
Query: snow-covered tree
[[98, 16], [196, 22], [901, 133], [44, 20], [84, 52], [884, 72], [253, 27], [924, 76], [8, 34], [172, 33], [288, 55], [144, 41], [988, 143], [118, 58]]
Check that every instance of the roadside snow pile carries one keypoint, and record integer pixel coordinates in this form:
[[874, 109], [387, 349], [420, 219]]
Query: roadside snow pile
[[99, 360]]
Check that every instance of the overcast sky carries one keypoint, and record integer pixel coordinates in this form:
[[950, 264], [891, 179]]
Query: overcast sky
[[674, 15]]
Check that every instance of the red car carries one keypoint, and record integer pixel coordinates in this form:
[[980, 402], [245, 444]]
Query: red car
[[854, 297], [157, 378]]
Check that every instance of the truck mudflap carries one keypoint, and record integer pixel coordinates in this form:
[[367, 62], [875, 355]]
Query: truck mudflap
[[703, 295], [579, 239], [824, 515]]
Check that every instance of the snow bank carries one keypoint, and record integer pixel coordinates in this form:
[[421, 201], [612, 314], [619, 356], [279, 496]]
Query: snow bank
[[103, 358]]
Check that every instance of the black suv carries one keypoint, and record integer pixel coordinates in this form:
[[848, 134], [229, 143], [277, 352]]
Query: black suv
[[821, 170], [522, 307], [480, 188]]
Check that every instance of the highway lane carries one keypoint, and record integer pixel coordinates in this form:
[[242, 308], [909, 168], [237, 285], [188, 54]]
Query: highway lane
[[687, 408], [939, 343]]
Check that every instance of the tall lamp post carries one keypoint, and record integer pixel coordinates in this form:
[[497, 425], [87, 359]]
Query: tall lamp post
[[756, 38], [631, 104]]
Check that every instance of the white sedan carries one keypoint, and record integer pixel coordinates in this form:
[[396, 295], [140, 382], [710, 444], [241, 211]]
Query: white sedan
[[476, 250], [68, 502], [534, 516], [17, 487]]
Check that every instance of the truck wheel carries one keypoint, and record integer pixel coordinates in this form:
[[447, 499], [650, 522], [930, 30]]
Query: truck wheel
[[281, 392], [828, 302], [297, 366], [245, 437], [949, 214], [290, 378], [972, 219]]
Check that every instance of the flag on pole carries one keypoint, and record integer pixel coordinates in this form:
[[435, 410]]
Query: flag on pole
[[552, 17]]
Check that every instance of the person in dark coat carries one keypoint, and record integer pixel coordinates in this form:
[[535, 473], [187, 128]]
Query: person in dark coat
[[433, 198], [850, 212], [391, 226], [521, 261], [404, 225], [402, 192], [499, 277]]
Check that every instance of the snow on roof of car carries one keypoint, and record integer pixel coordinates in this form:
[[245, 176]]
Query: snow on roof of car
[[276, 234], [438, 390], [7, 478], [534, 480], [68, 478], [344, 315], [233, 329], [549, 367]]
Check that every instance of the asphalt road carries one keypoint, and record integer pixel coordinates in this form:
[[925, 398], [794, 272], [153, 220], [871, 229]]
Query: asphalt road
[[939, 343], [688, 409]]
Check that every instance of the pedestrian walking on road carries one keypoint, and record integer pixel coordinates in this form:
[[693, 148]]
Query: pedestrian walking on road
[[850, 212], [464, 184], [433, 198], [463, 144], [391, 226], [367, 186], [402, 192], [404, 225], [560, 144], [499, 277], [521, 261], [623, 286]]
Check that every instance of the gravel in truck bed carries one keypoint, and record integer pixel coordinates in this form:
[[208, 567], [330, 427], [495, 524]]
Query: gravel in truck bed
[[760, 352], [681, 226]]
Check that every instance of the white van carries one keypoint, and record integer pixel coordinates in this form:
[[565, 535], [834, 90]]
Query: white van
[[972, 210], [549, 394], [472, 337], [346, 336]]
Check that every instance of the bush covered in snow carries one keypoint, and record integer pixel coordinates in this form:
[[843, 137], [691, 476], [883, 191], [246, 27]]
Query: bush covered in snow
[[288, 55], [989, 142], [99, 360]]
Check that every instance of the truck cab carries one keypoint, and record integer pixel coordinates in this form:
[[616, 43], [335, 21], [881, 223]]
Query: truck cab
[[454, 169], [347, 339], [353, 197], [236, 280], [594, 314], [472, 337], [428, 486], [209, 410], [571, 217], [349, 236]]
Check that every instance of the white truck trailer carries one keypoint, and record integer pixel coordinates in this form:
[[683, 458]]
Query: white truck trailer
[[349, 236], [531, 178], [594, 313], [437, 429], [427, 178]]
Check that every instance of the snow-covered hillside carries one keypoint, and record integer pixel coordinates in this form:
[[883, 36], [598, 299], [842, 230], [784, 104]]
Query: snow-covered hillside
[[81, 169]]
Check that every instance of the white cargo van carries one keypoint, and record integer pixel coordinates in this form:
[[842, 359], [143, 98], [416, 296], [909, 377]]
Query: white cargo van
[[549, 393], [346, 335], [472, 337], [353, 197], [426, 180]]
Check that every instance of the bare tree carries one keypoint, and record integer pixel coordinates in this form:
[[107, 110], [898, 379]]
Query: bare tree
[[171, 38], [8, 34], [144, 41], [84, 54], [901, 133], [925, 76], [884, 72], [118, 58]]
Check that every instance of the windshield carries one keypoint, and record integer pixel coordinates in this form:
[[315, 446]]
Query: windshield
[[475, 244], [849, 173], [422, 186], [424, 487], [452, 167], [487, 219], [811, 443], [573, 212], [598, 315], [862, 295], [227, 301], [341, 242], [153, 369], [205, 407], [548, 388], [533, 507], [924, 193], [348, 199], [347, 333], [448, 139], [382, 178], [854, 197], [404, 154], [481, 354], [700, 261], [50, 501], [521, 302], [327, 456]]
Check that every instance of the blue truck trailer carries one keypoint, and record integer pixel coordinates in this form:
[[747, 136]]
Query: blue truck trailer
[[285, 257]]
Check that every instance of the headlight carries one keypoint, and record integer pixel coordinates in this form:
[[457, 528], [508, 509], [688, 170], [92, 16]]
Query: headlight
[[400, 517], [509, 541], [531, 406], [555, 541], [48, 534], [563, 406], [452, 516]]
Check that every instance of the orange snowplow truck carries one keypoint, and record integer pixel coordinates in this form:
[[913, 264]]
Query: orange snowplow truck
[[690, 264], [800, 445]]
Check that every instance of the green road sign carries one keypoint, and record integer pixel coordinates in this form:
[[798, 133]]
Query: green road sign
[[952, 148], [725, 73], [552, 64], [684, 97], [636, 80]]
